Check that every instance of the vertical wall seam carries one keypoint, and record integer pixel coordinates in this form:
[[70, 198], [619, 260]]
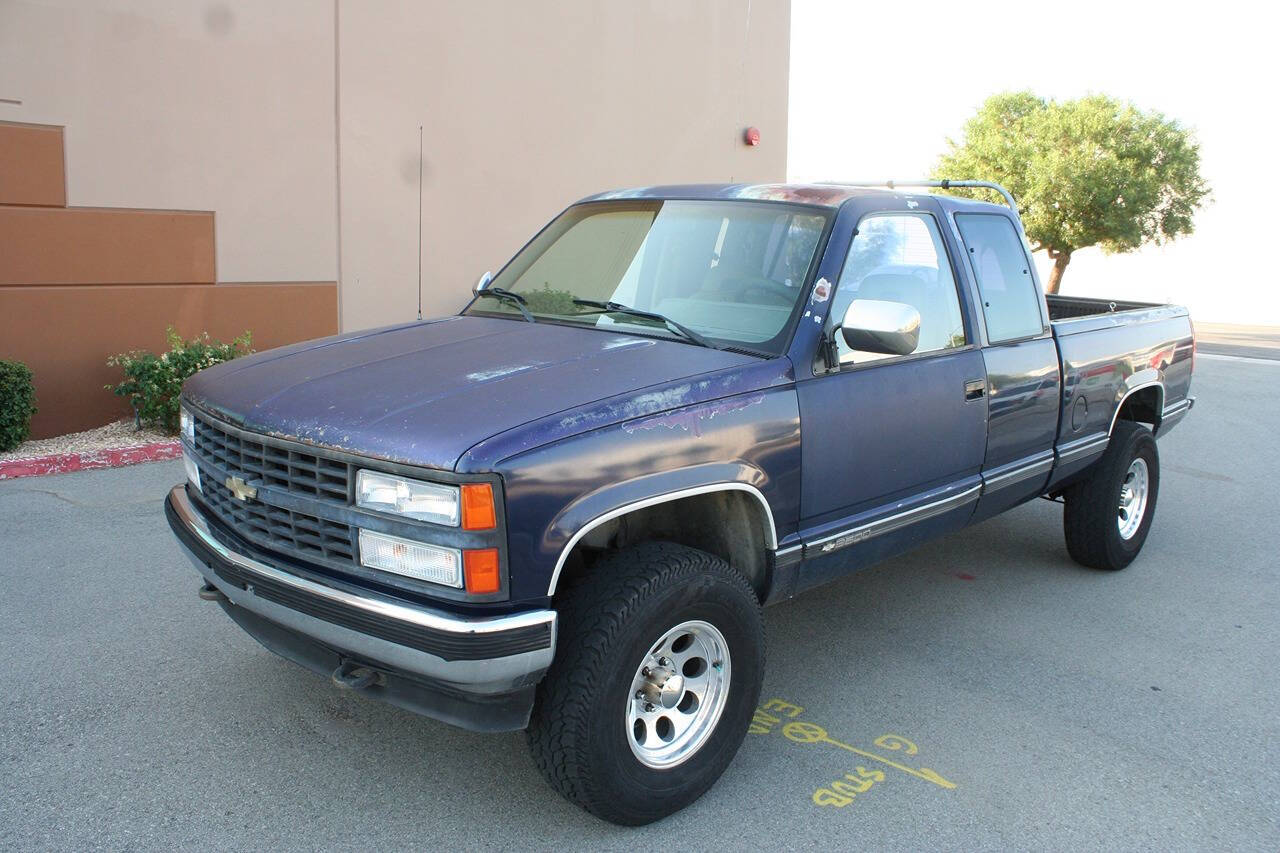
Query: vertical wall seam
[[743, 120], [337, 158], [786, 101]]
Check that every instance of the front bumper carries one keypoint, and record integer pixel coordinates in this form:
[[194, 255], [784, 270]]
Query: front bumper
[[477, 673]]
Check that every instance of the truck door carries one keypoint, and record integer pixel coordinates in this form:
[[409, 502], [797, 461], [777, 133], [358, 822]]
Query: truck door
[[892, 447], [1024, 386]]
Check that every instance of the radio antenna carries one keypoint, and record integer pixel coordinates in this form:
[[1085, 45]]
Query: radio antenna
[[419, 222]]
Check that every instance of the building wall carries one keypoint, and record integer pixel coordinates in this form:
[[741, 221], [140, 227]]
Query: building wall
[[232, 164], [185, 157], [188, 105], [78, 284], [525, 108]]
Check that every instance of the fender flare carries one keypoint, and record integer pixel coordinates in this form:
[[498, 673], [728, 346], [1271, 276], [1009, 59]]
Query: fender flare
[[597, 508], [1149, 378]]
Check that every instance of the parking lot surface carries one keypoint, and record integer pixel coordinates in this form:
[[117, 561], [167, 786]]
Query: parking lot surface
[[1238, 341], [997, 695]]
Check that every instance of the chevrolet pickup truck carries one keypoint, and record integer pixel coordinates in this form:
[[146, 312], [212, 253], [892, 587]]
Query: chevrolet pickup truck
[[562, 509]]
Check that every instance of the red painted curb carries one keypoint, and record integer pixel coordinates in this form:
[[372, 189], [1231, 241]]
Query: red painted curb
[[61, 463]]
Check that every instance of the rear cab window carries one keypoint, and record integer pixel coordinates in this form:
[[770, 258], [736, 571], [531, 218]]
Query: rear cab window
[[1010, 302]]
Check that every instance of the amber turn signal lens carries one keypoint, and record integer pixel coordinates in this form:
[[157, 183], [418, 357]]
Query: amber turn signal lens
[[482, 570], [477, 507]]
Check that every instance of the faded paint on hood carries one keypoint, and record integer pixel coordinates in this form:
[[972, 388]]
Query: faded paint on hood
[[424, 393]]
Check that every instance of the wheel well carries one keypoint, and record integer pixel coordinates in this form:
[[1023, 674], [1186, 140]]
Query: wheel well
[[729, 524], [1144, 405]]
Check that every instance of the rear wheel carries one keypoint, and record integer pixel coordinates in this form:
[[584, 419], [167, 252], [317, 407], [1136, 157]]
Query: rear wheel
[[1108, 516], [658, 668]]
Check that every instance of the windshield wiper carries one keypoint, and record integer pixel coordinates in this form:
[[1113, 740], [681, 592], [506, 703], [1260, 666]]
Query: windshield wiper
[[619, 308], [512, 298]]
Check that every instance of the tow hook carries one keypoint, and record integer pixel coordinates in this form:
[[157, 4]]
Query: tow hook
[[352, 676], [209, 592]]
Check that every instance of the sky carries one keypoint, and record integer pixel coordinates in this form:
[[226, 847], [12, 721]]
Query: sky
[[877, 89]]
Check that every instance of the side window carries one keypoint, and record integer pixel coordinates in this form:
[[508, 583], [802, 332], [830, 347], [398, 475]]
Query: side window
[[1009, 299], [900, 257]]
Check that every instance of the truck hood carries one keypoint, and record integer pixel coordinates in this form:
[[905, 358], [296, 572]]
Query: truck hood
[[424, 393]]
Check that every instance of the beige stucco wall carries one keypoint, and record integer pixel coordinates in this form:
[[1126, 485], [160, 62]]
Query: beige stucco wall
[[527, 107], [295, 121], [221, 106]]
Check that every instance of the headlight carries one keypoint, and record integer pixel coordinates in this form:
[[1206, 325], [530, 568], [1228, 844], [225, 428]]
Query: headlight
[[193, 471], [188, 425], [410, 498], [411, 559]]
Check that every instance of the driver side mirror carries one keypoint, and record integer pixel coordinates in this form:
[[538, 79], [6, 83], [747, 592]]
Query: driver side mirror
[[481, 283], [873, 325]]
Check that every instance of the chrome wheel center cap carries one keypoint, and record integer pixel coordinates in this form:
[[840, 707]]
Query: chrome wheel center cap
[[663, 687]]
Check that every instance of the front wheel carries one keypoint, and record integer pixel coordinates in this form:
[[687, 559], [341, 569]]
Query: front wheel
[[1108, 516], [658, 670]]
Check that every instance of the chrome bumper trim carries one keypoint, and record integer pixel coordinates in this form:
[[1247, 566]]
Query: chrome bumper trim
[[1171, 415], [486, 675], [1180, 407]]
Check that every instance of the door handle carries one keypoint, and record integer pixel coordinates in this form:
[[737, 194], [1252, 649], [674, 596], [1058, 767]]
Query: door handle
[[975, 389]]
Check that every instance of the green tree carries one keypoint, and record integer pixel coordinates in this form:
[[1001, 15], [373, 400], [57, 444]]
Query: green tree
[[1089, 172]]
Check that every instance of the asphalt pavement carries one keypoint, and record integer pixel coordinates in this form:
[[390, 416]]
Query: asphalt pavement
[[993, 693]]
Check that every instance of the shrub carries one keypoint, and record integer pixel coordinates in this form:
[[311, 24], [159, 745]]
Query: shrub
[[153, 382], [17, 403]]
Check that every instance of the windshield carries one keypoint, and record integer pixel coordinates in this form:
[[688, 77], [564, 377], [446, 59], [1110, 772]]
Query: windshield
[[732, 272]]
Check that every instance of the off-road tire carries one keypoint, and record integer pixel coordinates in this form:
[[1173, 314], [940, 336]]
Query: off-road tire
[[608, 622], [1089, 515]]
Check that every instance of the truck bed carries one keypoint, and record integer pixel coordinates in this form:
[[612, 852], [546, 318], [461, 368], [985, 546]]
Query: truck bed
[[1071, 307], [1110, 350], [1073, 315]]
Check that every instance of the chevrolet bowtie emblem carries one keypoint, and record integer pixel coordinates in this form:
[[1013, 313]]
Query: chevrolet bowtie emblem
[[242, 490]]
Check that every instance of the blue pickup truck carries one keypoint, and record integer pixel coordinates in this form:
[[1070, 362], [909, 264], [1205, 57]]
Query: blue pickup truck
[[562, 509]]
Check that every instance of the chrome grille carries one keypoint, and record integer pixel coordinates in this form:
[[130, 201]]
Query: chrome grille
[[256, 461], [278, 466], [278, 528]]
